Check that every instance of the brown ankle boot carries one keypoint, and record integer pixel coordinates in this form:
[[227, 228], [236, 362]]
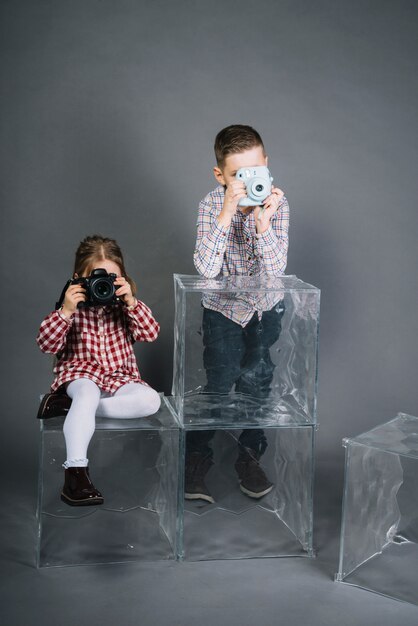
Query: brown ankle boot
[[54, 405], [78, 490]]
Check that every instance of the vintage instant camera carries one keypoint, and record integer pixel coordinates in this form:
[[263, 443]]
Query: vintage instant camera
[[258, 182], [99, 286]]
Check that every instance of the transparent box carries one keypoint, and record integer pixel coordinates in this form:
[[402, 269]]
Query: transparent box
[[237, 526], [379, 532], [135, 464], [271, 375]]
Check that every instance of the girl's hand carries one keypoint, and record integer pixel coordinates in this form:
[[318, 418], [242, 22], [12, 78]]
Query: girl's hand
[[73, 295], [124, 291], [263, 214]]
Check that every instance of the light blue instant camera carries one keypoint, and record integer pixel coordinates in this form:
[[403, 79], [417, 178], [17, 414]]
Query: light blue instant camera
[[258, 182]]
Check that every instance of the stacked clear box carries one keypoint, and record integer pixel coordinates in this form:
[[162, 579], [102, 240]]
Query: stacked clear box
[[135, 464], [379, 532], [236, 525], [293, 389]]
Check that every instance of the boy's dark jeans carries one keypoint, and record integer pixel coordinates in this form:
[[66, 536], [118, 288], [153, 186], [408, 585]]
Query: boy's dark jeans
[[237, 355]]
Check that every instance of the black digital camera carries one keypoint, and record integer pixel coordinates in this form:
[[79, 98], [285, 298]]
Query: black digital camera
[[99, 286]]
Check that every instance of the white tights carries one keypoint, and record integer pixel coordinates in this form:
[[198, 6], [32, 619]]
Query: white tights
[[129, 401]]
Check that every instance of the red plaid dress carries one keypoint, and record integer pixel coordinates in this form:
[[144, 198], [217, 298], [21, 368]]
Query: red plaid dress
[[97, 343]]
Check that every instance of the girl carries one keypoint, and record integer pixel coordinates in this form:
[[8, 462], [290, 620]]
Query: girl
[[96, 371]]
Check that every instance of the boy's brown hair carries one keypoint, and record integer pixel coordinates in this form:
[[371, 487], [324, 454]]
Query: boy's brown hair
[[97, 248], [235, 139]]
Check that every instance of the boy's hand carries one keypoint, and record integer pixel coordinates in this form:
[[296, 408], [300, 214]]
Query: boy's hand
[[263, 214], [124, 291], [233, 194], [73, 295]]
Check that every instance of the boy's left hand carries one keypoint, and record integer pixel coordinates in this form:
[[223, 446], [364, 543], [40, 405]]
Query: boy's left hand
[[124, 291], [263, 214]]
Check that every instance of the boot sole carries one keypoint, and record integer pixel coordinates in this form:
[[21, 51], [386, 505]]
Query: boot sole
[[87, 502], [199, 496], [253, 494]]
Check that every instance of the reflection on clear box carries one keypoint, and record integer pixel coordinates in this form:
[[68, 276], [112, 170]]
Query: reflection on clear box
[[238, 526], [274, 394], [379, 532], [292, 358], [135, 464]]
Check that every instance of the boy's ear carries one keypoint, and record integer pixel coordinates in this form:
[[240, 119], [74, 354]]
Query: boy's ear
[[217, 172], [267, 161]]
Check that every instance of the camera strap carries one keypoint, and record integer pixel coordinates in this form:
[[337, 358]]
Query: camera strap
[[62, 296]]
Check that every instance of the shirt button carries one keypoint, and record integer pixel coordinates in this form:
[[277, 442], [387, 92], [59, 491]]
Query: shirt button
[[249, 258]]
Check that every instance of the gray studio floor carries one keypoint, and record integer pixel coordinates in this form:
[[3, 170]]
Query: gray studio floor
[[269, 591]]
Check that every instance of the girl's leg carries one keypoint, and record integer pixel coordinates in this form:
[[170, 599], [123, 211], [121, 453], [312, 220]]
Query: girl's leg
[[130, 401], [79, 424]]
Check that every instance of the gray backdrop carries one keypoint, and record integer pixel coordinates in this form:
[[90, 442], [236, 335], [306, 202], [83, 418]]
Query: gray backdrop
[[108, 114]]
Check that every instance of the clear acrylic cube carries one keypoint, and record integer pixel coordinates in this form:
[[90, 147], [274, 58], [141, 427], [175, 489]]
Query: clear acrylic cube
[[135, 464], [237, 526], [379, 532], [289, 395]]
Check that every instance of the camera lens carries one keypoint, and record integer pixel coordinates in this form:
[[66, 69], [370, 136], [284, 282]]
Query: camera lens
[[258, 189], [102, 290]]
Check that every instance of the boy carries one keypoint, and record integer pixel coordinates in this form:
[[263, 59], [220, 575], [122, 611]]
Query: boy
[[237, 334]]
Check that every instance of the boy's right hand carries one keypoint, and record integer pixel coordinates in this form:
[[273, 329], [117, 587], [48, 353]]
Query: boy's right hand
[[73, 295], [233, 194]]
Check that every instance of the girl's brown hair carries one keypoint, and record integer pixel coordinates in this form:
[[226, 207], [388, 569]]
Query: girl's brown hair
[[96, 248]]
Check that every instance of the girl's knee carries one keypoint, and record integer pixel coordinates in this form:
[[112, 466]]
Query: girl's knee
[[153, 401], [83, 389]]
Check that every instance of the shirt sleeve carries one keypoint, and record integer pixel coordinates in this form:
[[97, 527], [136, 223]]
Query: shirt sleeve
[[210, 242], [272, 245], [141, 323], [52, 335]]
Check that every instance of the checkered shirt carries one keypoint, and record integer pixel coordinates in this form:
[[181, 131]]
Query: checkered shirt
[[240, 250], [97, 343]]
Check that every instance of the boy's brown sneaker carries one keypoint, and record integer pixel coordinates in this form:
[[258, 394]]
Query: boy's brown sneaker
[[197, 466], [252, 478]]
